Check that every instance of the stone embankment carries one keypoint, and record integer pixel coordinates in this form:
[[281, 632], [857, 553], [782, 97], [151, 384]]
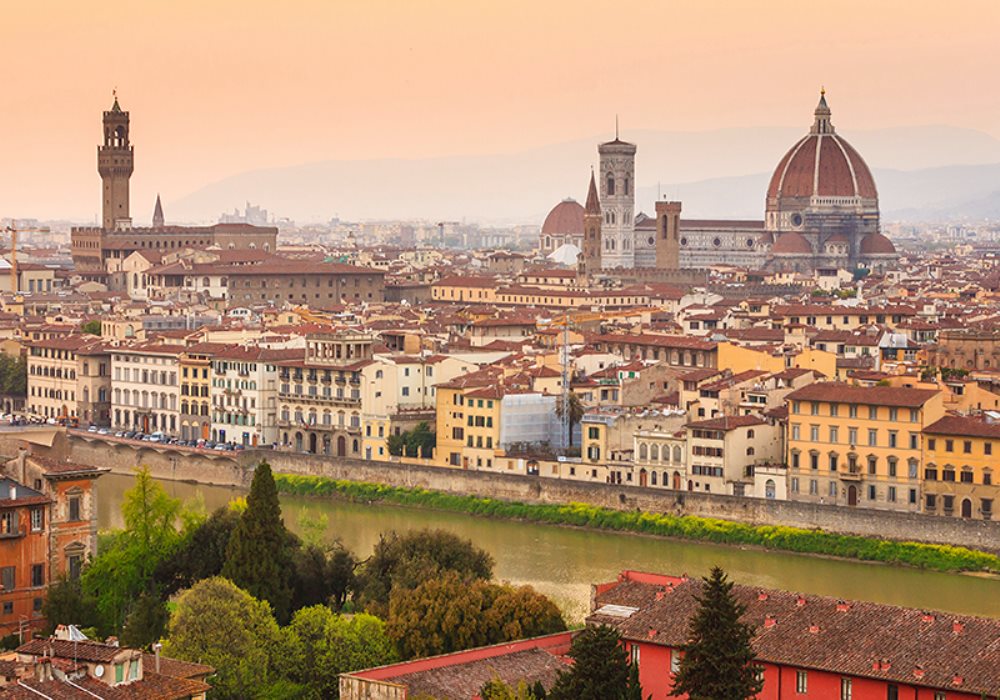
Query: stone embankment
[[235, 469]]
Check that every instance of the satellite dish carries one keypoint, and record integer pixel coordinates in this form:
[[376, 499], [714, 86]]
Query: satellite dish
[[99, 671]]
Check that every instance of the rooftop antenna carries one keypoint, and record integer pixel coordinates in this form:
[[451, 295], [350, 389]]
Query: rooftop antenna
[[616, 127]]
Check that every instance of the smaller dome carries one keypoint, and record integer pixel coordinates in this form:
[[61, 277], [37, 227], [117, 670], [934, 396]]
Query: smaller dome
[[566, 254], [791, 243], [565, 218], [877, 244]]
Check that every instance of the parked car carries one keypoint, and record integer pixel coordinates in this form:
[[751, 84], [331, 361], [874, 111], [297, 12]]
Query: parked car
[[104, 431], [92, 429]]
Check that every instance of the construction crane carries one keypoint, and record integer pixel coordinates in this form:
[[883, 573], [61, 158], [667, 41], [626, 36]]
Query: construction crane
[[13, 230]]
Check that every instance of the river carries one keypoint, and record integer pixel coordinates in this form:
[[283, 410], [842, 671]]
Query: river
[[562, 562]]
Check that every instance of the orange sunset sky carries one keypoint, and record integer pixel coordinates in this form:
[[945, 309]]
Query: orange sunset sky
[[218, 87]]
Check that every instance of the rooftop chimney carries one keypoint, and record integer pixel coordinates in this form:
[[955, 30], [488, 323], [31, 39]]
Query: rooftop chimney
[[843, 606], [769, 621], [957, 627], [800, 602]]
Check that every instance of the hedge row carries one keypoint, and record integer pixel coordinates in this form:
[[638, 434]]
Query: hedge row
[[789, 539]]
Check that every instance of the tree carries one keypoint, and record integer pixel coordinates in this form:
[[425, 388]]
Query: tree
[[124, 569], [259, 553], [146, 622], [448, 613], [718, 660], [320, 645], [576, 411], [13, 375], [92, 327], [418, 442], [600, 668], [219, 624], [201, 555], [496, 689], [67, 604], [409, 559]]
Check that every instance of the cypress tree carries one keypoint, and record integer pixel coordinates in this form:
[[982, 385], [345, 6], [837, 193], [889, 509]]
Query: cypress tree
[[718, 658], [258, 556]]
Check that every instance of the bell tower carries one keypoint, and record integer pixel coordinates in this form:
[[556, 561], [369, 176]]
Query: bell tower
[[590, 258], [668, 230], [115, 164]]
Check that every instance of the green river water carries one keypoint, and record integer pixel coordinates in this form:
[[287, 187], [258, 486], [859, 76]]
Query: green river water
[[562, 562]]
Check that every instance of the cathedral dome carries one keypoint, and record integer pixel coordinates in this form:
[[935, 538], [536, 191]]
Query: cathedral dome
[[822, 164], [791, 243], [877, 244], [565, 218]]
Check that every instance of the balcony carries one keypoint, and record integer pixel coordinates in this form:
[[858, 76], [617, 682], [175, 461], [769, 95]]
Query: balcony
[[852, 474]]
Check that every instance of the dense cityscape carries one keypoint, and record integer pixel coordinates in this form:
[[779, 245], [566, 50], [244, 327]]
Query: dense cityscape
[[612, 451]]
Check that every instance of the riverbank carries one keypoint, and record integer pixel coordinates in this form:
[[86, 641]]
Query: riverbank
[[780, 538]]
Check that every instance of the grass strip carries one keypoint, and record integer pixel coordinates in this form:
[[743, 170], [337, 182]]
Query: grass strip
[[776, 537]]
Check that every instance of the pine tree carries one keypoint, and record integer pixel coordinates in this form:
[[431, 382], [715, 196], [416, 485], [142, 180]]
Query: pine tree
[[634, 689], [718, 659], [600, 667], [258, 557]]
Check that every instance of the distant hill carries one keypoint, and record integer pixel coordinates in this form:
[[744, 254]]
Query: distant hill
[[920, 171]]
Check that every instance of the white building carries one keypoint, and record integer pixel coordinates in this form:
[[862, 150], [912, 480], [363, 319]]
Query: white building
[[245, 394], [617, 185], [145, 391]]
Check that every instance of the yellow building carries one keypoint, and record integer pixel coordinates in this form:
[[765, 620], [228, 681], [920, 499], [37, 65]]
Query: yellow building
[[195, 365], [959, 467], [858, 446]]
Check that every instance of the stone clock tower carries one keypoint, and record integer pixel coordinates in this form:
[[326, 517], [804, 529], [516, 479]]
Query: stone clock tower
[[115, 164]]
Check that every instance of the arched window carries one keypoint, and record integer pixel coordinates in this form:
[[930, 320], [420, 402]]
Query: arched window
[[204, 282], [677, 453], [750, 434], [654, 454], [652, 478], [611, 184], [626, 186], [643, 451]]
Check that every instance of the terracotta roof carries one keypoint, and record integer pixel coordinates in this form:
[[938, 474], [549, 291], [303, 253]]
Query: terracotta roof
[[727, 423], [965, 426], [565, 218], [873, 396], [860, 639]]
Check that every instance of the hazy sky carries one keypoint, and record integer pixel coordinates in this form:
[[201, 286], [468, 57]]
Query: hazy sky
[[217, 87]]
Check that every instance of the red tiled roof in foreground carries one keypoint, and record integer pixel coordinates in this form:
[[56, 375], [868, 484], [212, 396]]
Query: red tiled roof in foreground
[[462, 674], [865, 640]]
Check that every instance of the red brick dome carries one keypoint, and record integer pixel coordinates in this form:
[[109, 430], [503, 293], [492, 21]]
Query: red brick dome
[[791, 243], [565, 218], [822, 164], [877, 244]]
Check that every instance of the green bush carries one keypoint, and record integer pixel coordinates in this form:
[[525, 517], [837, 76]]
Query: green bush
[[789, 539]]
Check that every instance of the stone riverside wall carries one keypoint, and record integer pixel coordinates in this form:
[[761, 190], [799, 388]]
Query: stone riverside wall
[[235, 469]]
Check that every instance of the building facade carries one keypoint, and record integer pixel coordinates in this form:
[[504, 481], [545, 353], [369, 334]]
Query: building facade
[[858, 446]]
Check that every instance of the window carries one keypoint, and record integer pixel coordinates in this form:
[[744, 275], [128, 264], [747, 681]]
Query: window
[[36, 519], [914, 415], [813, 487], [914, 441], [119, 673], [675, 661], [931, 444], [871, 492], [853, 411], [37, 575], [814, 408], [833, 409], [74, 508], [892, 692], [893, 414], [893, 438], [966, 476], [892, 466], [796, 432], [987, 448], [892, 494], [802, 682], [634, 649], [834, 434], [873, 413], [833, 462], [931, 501], [949, 445], [846, 689], [967, 447], [872, 437], [852, 436]]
